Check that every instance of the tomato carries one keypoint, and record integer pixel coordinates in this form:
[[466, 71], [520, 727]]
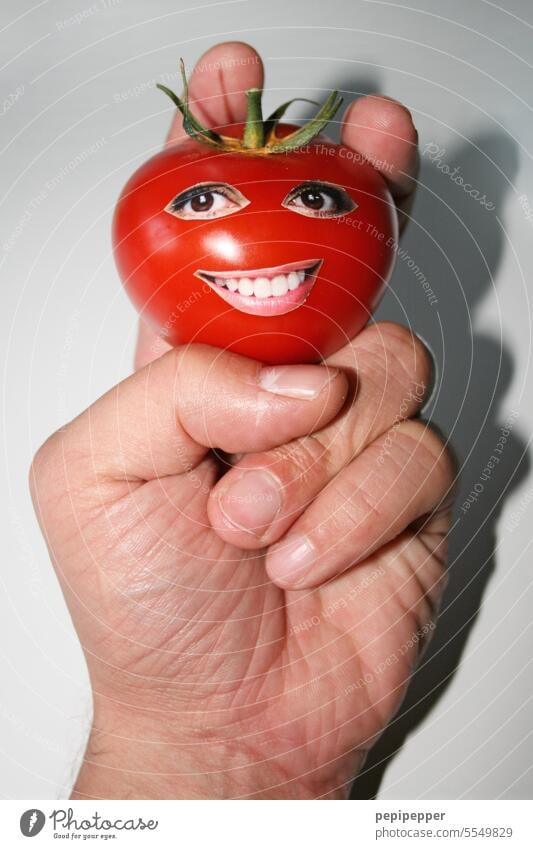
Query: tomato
[[278, 256]]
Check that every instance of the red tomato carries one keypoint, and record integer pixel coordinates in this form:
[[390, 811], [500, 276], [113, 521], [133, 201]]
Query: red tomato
[[278, 257]]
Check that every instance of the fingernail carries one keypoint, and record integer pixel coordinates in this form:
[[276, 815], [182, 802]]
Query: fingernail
[[306, 382], [252, 502], [290, 561]]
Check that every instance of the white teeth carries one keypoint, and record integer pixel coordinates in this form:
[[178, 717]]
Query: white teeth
[[280, 285], [246, 287], [262, 287]]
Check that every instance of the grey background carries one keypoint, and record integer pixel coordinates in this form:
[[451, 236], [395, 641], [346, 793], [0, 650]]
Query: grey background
[[67, 330]]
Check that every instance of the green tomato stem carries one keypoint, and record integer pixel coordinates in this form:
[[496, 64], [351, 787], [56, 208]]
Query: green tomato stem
[[259, 137], [254, 131]]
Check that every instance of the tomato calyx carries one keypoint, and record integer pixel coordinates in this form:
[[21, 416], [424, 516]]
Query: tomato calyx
[[259, 135]]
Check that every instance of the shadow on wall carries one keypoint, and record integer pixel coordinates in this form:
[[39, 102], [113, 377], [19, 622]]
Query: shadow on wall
[[456, 241]]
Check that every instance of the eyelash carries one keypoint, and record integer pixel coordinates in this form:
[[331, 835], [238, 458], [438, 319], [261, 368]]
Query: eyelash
[[344, 203], [190, 194], [335, 195]]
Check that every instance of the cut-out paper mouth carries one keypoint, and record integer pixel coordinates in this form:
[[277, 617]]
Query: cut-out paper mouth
[[265, 291]]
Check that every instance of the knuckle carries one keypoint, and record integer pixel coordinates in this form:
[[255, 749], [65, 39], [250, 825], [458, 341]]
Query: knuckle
[[356, 508], [369, 505], [301, 461], [394, 334], [45, 455], [44, 465], [430, 448], [197, 363], [403, 358], [411, 354], [182, 363]]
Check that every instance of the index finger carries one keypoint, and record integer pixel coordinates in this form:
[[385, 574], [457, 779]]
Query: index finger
[[218, 86]]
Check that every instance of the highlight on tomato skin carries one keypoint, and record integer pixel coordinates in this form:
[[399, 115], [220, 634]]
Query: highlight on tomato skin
[[280, 256]]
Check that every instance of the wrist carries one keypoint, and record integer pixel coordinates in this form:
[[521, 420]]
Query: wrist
[[140, 754]]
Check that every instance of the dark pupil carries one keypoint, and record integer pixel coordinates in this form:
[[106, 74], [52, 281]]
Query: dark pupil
[[201, 203], [312, 199]]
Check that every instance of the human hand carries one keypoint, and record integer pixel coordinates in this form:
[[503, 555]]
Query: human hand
[[218, 671]]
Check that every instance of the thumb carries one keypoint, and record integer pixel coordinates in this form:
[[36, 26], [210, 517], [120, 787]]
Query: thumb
[[164, 418]]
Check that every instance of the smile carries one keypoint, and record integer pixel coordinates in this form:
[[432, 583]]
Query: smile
[[265, 291]]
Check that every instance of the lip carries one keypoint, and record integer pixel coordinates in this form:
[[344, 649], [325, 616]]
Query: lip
[[271, 304]]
